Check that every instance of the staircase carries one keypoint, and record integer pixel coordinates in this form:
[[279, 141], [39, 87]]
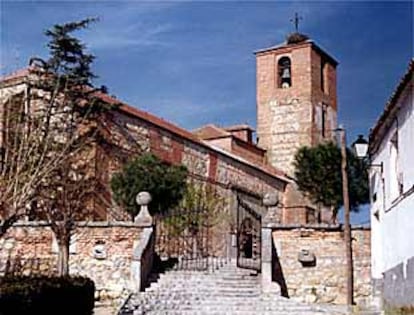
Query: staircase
[[226, 290]]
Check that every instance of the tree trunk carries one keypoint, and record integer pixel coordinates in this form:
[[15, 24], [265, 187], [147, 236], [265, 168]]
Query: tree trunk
[[63, 258]]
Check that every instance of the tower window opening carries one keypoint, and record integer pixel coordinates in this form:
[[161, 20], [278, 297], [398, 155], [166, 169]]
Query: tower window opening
[[323, 118], [323, 75], [285, 73]]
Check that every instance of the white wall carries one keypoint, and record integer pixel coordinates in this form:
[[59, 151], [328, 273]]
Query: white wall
[[393, 233]]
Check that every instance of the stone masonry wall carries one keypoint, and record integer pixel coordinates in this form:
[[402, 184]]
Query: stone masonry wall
[[284, 116], [129, 131], [325, 281], [203, 162], [303, 114], [30, 248]]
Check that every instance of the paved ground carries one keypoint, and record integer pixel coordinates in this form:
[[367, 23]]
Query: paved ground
[[103, 311], [226, 291]]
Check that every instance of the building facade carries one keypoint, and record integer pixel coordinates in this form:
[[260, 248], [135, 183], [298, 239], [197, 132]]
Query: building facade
[[132, 131], [296, 106], [392, 196], [296, 99]]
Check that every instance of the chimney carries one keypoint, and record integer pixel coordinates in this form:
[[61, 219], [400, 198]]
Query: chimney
[[243, 132]]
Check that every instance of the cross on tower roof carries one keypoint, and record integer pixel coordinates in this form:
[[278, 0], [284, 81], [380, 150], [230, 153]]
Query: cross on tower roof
[[296, 20]]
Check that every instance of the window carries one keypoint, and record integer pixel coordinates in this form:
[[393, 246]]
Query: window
[[284, 73], [396, 186], [323, 120], [323, 75]]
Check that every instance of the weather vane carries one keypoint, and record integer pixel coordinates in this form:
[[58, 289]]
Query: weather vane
[[296, 20]]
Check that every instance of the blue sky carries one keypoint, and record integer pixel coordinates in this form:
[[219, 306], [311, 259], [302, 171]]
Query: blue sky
[[192, 62]]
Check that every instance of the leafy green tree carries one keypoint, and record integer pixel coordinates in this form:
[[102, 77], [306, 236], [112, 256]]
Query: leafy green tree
[[166, 183], [201, 207], [318, 175], [192, 225]]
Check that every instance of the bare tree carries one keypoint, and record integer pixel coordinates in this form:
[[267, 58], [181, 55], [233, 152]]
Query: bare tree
[[49, 134]]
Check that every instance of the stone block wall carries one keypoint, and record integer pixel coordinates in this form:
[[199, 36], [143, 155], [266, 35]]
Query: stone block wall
[[30, 248], [287, 118], [203, 162], [129, 131], [325, 280]]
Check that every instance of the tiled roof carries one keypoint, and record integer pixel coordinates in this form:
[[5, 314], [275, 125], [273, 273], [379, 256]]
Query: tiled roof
[[304, 43], [19, 74], [280, 45], [238, 127], [159, 122], [376, 131], [166, 125], [211, 131]]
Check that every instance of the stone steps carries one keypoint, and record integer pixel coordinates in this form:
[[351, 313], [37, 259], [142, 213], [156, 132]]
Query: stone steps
[[225, 291]]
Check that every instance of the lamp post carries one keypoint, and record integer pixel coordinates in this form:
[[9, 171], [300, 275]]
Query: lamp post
[[360, 147], [347, 220]]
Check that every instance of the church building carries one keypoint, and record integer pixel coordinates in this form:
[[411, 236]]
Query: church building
[[296, 106], [278, 237]]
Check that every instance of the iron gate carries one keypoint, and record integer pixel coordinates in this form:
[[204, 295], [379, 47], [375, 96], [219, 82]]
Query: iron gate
[[249, 236], [190, 239]]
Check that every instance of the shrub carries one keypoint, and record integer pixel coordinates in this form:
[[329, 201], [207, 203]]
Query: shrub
[[23, 295], [165, 182]]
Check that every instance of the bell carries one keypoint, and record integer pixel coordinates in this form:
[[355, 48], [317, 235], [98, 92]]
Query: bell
[[286, 73]]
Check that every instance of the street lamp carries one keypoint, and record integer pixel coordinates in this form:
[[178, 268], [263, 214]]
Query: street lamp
[[360, 147]]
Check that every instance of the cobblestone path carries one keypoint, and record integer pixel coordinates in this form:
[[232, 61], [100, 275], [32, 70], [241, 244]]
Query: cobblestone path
[[226, 291]]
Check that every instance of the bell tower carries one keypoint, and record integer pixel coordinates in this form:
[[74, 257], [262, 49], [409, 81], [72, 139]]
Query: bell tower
[[296, 98]]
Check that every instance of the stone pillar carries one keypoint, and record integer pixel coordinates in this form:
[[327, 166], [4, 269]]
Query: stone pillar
[[142, 258], [271, 201], [143, 218]]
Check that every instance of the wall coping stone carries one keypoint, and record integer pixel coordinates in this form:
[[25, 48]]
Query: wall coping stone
[[322, 227], [102, 224]]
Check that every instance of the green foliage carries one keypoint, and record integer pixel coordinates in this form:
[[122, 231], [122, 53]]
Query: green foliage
[[166, 183], [318, 175], [43, 142], [200, 207], [26, 295], [68, 56]]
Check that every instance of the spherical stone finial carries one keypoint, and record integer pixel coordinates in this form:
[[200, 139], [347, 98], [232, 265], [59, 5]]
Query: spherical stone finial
[[271, 199], [143, 198]]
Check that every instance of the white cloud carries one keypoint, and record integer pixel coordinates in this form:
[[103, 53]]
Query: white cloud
[[185, 112], [118, 27], [120, 37]]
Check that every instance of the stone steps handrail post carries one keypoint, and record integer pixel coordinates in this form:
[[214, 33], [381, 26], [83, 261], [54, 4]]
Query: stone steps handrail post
[[143, 218], [271, 201], [143, 254]]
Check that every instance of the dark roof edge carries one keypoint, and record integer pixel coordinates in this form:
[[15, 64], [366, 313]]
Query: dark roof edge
[[165, 125], [309, 41], [390, 107]]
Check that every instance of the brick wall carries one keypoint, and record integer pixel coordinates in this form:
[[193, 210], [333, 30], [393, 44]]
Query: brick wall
[[284, 116], [29, 248], [203, 163], [248, 151], [130, 132], [290, 118], [287, 118], [325, 282]]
